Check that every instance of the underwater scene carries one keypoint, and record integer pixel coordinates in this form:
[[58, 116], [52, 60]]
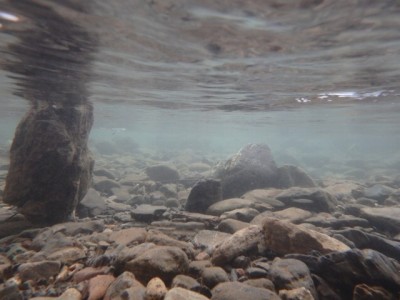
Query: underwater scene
[[198, 149]]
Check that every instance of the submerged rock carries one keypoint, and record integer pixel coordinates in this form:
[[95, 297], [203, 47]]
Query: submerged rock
[[50, 163], [251, 168], [289, 176], [162, 173], [344, 270], [163, 261], [283, 237], [238, 290], [203, 194], [313, 199], [386, 218]]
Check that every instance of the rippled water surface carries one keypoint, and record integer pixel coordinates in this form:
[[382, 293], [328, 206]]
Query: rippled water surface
[[315, 79]]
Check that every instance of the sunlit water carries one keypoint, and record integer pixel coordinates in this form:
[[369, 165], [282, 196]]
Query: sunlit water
[[318, 81]]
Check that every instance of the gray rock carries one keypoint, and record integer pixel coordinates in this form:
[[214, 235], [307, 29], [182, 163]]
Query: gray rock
[[162, 261], [231, 225], [178, 293], [209, 238], [148, 213], [185, 282], [212, 276], [124, 281], [239, 243], [245, 214], [92, 204], [238, 290], [378, 192], [291, 274], [203, 194], [300, 293], [105, 185], [50, 163], [289, 176], [364, 240], [265, 196], [342, 221], [104, 173], [261, 283], [39, 270], [161, 239], [128, 236], [386, 218], [251, 168], [318, 200], [292, 214], [162, 173], [223, 206], [283, 237], [344, 270], [196, 267], [10, 292]]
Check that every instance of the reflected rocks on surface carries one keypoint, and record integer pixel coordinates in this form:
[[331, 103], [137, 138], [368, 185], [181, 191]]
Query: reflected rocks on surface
[[50, 164]]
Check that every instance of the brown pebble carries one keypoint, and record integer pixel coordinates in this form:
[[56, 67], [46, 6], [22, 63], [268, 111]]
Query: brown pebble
[[98, 286], [155, 289]]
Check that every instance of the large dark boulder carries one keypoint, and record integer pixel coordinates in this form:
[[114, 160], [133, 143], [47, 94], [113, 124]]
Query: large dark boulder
[[203, 194], [253, 167], [50, 164]]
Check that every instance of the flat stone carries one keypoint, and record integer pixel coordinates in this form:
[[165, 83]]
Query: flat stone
[[161, 239], [364, 240], [208, 239], [292, 214], [67, 255], [185, 282], [128, 236], [89, 272], [106, 185], [300, 293], [178, 293], [318, 199], [231, 225], [238, 244], [284, 237], [39, 270], [245, 214], [327, 220], [266, 196], [378, 192], [148, 213], [261, 283], [238, 290], [387, 218], [98, 286], [223, 206]]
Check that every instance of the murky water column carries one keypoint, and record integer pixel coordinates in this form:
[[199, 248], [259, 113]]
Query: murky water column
[[50, 164]]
